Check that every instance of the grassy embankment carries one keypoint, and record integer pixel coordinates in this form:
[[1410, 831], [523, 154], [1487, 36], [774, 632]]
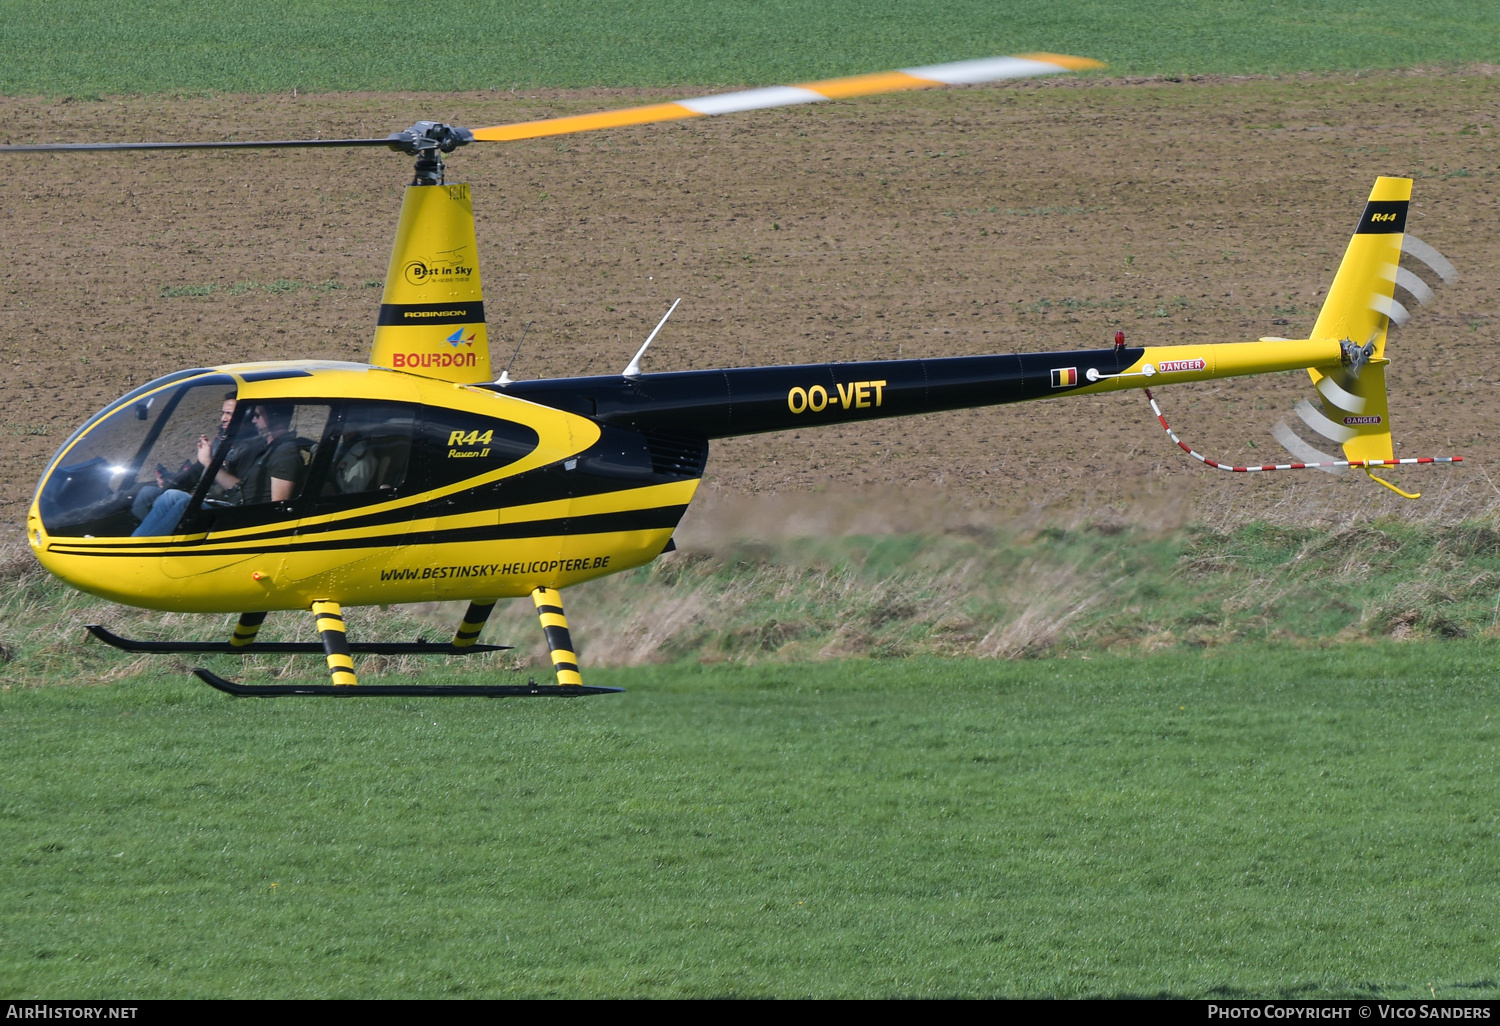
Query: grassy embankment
[[985, 594], [88, 47]]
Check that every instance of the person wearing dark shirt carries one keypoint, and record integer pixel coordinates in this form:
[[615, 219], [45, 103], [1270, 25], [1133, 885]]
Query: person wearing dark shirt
[[277, 471]]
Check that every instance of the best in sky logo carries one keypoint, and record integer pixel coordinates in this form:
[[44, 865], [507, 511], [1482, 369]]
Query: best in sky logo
[[450, 264], [459, 339]]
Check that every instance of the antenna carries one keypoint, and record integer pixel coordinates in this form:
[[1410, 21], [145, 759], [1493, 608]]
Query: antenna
[[504, 378], [633, 369]]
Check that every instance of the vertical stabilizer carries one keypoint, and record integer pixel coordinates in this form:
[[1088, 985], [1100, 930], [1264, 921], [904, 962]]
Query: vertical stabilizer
[[432, 314], [1360, 307]]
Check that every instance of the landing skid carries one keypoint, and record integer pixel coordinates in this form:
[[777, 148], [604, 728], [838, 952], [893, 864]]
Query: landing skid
[[284, 647], [419, 690]]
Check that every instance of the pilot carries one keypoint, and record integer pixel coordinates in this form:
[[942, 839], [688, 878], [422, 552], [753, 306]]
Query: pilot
[[187, 476], [159, 507]]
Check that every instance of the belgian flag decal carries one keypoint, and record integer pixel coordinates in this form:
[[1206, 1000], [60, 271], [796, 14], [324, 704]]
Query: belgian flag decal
[[1064, 377]]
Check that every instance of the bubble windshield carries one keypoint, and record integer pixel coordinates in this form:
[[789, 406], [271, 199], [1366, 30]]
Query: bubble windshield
[[107, 481]]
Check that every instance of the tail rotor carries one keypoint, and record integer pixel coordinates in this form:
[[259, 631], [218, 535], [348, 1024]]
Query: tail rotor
[[1362, 304]]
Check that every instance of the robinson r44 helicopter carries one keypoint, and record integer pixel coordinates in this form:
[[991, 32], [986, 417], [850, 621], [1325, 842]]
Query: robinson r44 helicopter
[[420, 477]]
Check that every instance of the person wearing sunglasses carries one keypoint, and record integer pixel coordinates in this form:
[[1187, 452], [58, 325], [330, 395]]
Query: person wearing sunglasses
[[277, 471]]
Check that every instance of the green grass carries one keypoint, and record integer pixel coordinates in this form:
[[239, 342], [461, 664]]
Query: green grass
[[1229, 778], [89, 47], [1053, 592], [1259, 821]]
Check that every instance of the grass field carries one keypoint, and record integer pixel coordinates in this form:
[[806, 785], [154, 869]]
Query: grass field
[[88, 47], [1263, 821]]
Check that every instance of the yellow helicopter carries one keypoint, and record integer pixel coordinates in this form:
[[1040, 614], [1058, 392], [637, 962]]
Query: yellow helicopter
[[318, 485]]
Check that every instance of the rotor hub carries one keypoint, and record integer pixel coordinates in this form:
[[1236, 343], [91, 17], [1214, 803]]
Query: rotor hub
[[428, 141]]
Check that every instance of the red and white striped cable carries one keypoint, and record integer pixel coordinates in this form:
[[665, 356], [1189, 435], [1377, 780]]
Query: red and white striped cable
[[1287, 466]]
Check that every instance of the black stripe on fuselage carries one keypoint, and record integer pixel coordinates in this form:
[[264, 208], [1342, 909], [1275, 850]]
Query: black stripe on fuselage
[[552, 483], [657, 518]]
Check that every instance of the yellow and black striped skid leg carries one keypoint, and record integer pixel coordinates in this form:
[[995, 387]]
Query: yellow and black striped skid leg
[[559, 641], [335, 643], [336, 648], [473, 623], [246, 630]]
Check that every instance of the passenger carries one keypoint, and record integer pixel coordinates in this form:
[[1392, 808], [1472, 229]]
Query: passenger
[[277, 471]]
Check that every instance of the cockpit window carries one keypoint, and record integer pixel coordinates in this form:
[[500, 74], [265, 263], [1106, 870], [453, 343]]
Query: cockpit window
[[102, 485], [263, 477], [373, 452]]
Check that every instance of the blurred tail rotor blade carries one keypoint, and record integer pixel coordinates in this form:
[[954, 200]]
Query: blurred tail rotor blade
[[986, 69], [1429, 256], [1392, 308], [1340, 396], [1419, 289], [1314, 419], [1305, 453]]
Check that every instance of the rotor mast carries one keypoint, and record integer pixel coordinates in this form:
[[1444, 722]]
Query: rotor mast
[[431, 319]]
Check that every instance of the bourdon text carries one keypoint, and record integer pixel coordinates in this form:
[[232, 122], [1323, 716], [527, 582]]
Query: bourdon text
[[403, 360]]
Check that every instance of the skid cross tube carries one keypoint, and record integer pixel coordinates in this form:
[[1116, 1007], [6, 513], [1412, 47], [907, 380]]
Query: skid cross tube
[[559, 641], [472, 624], [335, 645]]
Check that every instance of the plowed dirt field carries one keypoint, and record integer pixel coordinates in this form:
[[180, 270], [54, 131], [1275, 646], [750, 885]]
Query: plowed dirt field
[[996, 219]]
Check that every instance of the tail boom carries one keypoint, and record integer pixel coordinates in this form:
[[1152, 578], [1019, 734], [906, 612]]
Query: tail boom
[[751, 400]]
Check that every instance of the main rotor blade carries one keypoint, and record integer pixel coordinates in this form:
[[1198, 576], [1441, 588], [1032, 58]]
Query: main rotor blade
[[985, 69], [267, 144]]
